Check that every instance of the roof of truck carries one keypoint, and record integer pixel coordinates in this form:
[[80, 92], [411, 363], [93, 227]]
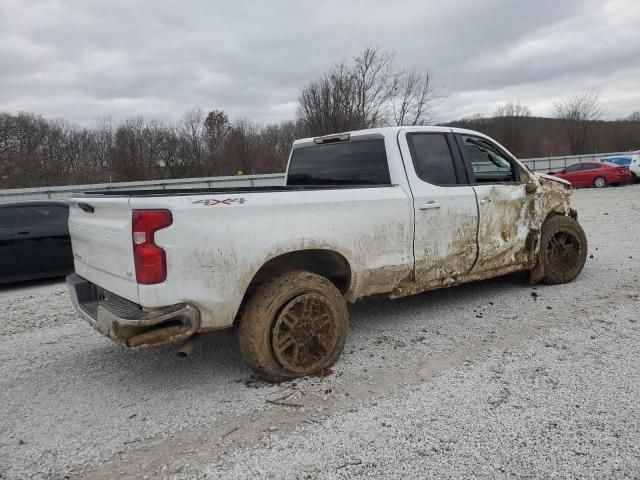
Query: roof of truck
[[385, 132]]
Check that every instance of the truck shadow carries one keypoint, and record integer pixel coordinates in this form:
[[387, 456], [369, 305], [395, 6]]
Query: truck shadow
[[377, 313], [217, 359]]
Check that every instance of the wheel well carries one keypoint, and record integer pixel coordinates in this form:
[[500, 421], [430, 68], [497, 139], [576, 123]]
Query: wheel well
[[326, 263]]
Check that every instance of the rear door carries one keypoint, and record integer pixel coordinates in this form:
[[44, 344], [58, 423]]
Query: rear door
[[445, 208], [505, 206], [589, 171]]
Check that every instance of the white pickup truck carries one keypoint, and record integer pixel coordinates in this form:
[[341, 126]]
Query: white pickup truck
[[389, 211]]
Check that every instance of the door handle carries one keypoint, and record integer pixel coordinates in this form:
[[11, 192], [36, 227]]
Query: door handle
[[429, 206], [484, 200]]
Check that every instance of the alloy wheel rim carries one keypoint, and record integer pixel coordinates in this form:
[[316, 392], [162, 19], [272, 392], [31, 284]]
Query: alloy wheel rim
[[564, 249], [305, 333]]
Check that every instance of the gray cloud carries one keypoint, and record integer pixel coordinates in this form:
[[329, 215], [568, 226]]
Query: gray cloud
[[81, 60]]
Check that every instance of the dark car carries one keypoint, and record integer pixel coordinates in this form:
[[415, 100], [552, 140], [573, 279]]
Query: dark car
[[34, 240]]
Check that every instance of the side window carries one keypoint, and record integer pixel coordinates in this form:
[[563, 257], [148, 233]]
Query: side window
[[39, 215], [432, 158], [573, 168], [489, 165], [589, 166]]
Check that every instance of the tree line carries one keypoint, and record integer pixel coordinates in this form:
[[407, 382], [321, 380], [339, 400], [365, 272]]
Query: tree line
[[369, 91], [576, 128]]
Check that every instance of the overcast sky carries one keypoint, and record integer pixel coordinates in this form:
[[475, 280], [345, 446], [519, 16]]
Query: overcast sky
[[81, 59]]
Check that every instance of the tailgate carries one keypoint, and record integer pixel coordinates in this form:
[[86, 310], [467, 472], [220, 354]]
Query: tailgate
[[100, 230]]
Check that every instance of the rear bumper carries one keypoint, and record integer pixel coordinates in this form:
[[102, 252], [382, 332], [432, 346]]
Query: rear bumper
[[623, 178], [129, 324]]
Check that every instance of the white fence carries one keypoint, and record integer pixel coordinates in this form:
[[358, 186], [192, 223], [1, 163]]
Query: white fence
[[543, 164]]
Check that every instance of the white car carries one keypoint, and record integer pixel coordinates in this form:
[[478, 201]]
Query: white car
[[635, 165], [385, 212], [629, 160]]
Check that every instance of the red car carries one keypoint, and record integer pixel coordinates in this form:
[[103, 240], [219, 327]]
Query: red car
[[594, 174]]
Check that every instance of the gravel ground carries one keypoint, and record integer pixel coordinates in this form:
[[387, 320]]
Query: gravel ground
[[489, 380], [23, 303]]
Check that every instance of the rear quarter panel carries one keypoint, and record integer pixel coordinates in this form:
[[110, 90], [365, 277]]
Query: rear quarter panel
[[215, 247]]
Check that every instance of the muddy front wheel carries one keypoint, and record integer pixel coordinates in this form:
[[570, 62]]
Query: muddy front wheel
[[563, 249], [293, 325]]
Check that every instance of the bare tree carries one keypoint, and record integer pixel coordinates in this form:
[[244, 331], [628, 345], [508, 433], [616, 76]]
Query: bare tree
[[510, 128], [330, 104], [415, 98], [512, 110], [103, 141], [376, 82], [371, 92], [216, 131], [241, 149], [578, 113], [191, 134], [128, 151], [634, 117]]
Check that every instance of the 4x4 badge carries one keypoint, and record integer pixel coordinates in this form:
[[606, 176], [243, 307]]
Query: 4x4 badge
[[212, 202]]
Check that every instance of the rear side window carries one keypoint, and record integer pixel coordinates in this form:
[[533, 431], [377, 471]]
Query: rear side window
[[36, 215], [432, 158], [590, 166], [345, 163]]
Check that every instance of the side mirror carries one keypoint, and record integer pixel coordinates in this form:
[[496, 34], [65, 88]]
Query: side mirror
[[530, 188]]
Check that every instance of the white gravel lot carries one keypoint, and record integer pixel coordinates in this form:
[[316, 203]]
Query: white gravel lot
[[489, 380]]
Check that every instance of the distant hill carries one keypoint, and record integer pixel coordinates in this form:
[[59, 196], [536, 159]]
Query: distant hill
[[529, 137]]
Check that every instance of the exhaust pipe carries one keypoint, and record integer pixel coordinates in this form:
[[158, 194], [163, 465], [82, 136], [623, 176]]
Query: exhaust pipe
[[192, 342], [186, 349]]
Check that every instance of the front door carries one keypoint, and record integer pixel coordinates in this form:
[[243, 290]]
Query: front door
[[445, 208], [506, 208]]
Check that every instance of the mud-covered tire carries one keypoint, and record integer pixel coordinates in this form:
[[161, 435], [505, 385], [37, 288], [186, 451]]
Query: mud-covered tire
[[599, 182], [563, 249], [299, 307]]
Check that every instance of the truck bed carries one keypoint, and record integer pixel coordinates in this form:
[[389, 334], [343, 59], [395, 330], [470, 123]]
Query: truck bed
[[216, 191]]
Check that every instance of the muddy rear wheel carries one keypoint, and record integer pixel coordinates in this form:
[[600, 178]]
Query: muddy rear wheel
[[293, 325], [563, 249]]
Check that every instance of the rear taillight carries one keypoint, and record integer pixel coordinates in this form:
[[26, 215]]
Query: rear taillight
[[150, 260]]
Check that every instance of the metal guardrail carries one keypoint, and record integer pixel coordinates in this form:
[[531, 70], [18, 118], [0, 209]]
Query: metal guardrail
[[548, 164], [542, 164], [62, 192]]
